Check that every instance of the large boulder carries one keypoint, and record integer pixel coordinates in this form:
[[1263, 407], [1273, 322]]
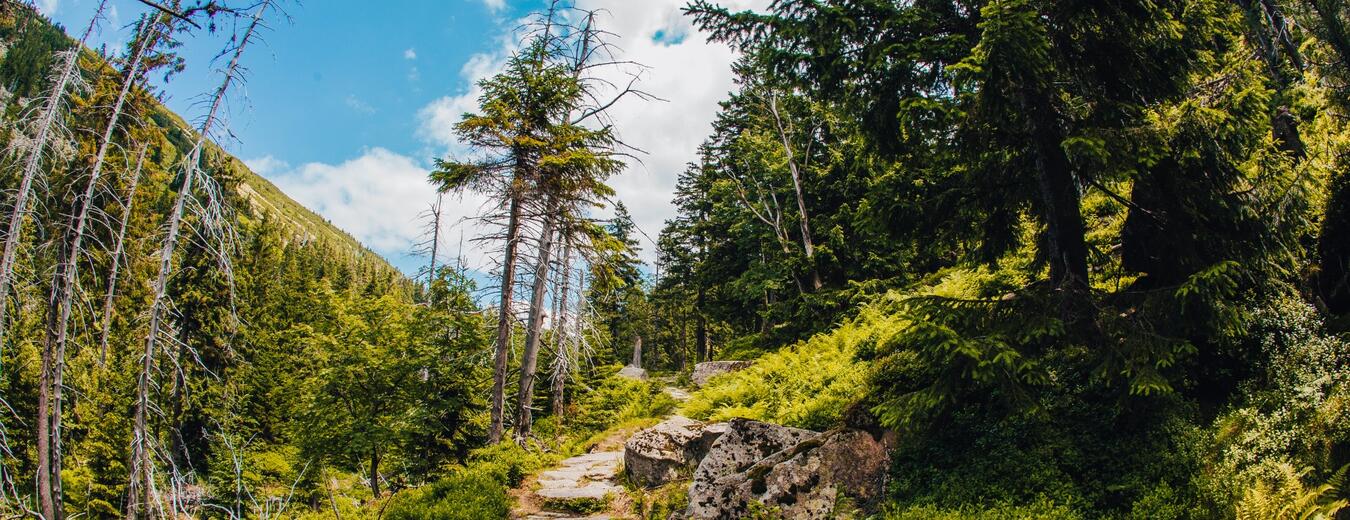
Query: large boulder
[[706, 370], [806, 479], [632, 372], [745, 443], [668, 451]]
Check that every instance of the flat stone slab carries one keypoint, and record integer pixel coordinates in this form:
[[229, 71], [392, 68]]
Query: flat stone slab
[[550, 515], [588, 477], [677, 394], [590, 490]]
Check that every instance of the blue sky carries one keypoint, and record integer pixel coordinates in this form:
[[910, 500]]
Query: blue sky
[[349, 102]]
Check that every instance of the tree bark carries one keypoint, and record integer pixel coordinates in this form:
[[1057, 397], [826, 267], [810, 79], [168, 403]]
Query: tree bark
[[530, 358], [504, 321], [563, 338], [158, 303], [47, 121], [1065, 240], [700, 328], [375, 472]]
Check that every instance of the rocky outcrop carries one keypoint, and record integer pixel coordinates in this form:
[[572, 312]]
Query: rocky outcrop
[[632, 372], [668, 451], [805, 475], [705, 371]]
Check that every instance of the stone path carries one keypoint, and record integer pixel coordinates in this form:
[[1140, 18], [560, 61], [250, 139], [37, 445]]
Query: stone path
[[590, 478], [679, 394]]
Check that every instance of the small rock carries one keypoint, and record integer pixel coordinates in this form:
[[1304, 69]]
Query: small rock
[[662, 453], [632, 372], [706, 370]]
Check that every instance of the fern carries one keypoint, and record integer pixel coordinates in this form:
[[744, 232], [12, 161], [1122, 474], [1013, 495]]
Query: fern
[[1285, 497]]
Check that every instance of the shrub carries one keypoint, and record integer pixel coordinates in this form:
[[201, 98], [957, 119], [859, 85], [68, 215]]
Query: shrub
[[615, 400], [807, 385], [467, 495], [1041, 510], [1296, 413]]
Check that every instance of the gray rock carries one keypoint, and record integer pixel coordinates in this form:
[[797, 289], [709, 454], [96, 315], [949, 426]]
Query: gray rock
[[744, 443], [668, 451], [706, 370], [632, 372], [806, 480]]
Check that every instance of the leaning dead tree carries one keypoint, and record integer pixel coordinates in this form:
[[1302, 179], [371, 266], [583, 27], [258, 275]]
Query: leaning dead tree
[[52, 379], [47, 125], [563, 352], [142, 492], [119, 247]]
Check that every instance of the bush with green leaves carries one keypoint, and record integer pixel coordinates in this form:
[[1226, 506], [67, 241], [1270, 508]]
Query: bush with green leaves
[[476, 490], [807, 385], [614, 400], [468, 495], [1041, 510]]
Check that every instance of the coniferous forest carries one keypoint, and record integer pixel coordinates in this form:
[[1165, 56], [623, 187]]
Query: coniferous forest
[[994, 259]]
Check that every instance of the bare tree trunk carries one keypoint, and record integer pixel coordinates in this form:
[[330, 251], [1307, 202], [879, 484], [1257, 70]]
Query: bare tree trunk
[[118, 248], [435, 213], [48, 494], [529, 360], [47, 123], [63, 283], [504, 321], [564, 349], [375, 472], [701, 353], [1065, 239], [158, 305], [808, 245]]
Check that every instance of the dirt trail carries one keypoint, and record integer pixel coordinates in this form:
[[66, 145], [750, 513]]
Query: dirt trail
[[585, 482]]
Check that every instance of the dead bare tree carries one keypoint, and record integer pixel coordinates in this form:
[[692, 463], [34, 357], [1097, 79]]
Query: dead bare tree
[[52, 385], [534, 327], [808, 246], [431, 233], [562, 365], [142, 489], [46, 125], [119, 247]]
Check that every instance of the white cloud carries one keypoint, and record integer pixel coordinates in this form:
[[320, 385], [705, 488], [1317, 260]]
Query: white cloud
[[377, 197], [436, 121], [266, 165], [47, 6], [685, 69], [495, 5], [410, 54], [359, 105]]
